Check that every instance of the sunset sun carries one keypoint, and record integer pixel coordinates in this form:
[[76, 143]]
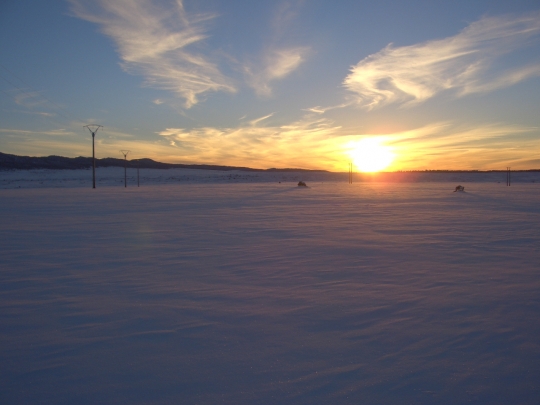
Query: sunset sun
[[371, 155]]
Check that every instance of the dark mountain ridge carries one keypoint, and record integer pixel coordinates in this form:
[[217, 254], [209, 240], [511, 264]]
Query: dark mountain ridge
[[15, 162]]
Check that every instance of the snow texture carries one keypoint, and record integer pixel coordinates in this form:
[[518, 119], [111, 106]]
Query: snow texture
[[248, 291]]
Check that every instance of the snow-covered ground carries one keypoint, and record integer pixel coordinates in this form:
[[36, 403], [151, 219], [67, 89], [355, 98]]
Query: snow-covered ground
[[246, 291], [114, 176]]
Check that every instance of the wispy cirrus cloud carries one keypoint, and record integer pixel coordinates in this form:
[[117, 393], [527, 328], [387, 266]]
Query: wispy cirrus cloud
[[306, 143], [66, 142], [29, 99], [318, 143], [277, 63], [260, 119], [157, 42], [52, 132], [465, 63], [279, 58], [321, 110], [451, 146]]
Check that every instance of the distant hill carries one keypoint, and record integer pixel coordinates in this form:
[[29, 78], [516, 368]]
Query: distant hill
[[15, 162]]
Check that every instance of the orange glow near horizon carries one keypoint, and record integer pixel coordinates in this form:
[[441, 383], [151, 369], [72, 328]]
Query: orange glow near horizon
[[371, 155]]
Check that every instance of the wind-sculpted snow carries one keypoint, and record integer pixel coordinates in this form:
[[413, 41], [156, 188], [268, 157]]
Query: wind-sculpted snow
[[268, 293]]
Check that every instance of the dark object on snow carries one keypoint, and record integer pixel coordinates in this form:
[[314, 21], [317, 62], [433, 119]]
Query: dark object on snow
[[459, 188], [301, 184]]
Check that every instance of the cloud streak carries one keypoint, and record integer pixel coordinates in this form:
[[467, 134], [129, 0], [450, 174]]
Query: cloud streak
[[316, 143], [158, 43], [306, 143], [279, 58], [465, 63], [445, 145], [257, 120], [54, 132], [310, 142], [276, 64]]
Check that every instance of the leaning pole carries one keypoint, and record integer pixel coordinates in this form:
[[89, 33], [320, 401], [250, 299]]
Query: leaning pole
[[93, 129]]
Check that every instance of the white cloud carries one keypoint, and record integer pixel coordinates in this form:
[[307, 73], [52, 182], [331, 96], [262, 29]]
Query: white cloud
[[322, 110], [306, 143], [448, 146], [316, 143], [29, 99], [154, 41], [464, 62], [279, 57], [257, 120], [275, 64], [52, 132]]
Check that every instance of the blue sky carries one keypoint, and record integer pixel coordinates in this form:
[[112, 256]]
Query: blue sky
[[442, 85]]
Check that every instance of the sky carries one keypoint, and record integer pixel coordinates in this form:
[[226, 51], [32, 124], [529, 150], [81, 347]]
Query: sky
[[314, 84]]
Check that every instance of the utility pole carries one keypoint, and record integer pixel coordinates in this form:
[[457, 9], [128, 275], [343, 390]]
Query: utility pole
[[125, 153], [93, 130]]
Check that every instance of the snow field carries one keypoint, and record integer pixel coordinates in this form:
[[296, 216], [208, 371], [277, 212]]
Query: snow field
[[266, 293]]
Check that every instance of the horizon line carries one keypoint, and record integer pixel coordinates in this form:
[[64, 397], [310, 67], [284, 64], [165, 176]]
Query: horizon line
[[211, 166]]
